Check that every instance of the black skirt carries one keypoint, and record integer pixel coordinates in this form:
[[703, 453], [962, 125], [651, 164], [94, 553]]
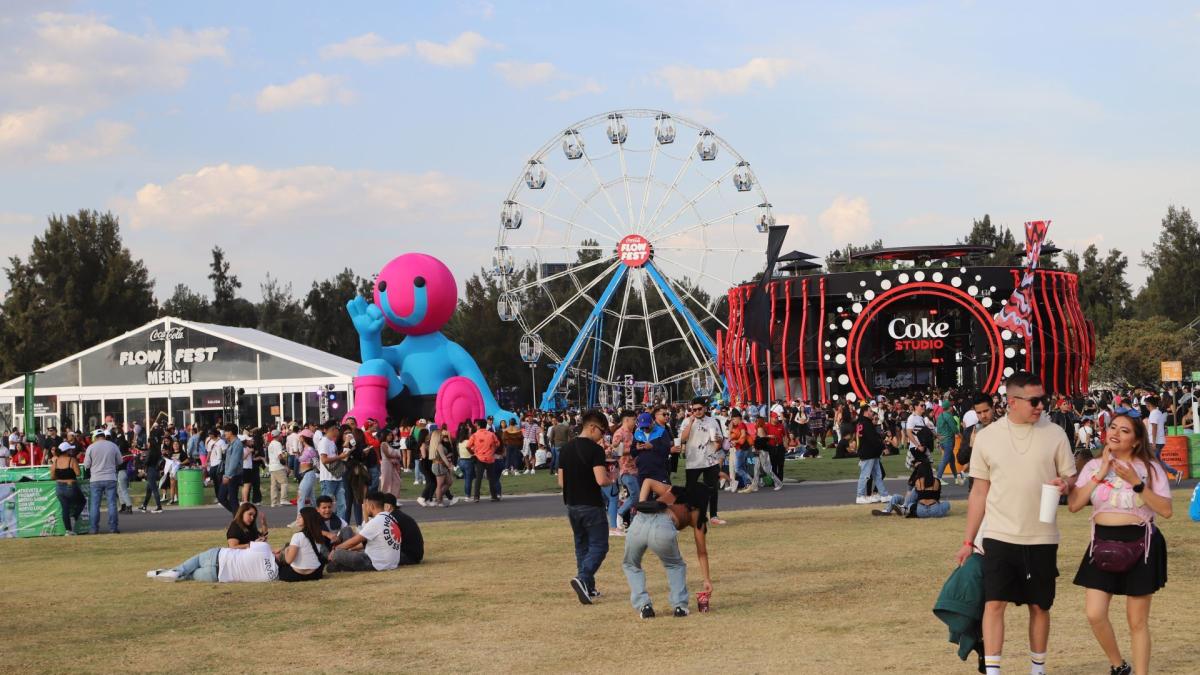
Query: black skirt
[[286, 573], [1144, 578]]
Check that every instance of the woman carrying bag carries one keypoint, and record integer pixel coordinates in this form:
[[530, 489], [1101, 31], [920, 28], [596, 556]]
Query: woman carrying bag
[[1127, 554], [302, 559]]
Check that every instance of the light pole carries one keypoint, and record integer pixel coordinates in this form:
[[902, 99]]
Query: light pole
[[531, 351]]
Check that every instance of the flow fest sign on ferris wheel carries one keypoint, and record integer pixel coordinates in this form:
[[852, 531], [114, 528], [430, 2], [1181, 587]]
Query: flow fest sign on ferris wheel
[[634, 250]]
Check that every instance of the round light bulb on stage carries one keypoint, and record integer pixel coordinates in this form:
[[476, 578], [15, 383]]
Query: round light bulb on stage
[[903, 278], [847, 324], [862, 282], [1006, 334], [841, 343], [870, 295], [987, 302], [851, 396], [963, 270], [856, 307], [843, 378], [956, 282], [937, 276], [973, 290], [878, 273], [1010, 352], [840, 358], [1008, 371], [885, 284], [919, 275]]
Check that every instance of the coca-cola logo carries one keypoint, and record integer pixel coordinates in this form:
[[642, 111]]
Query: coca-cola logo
[[923, 334], [163, 334], [634, 250]]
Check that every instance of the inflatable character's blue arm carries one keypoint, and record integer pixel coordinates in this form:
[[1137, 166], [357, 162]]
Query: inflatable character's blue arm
[[368, 321]]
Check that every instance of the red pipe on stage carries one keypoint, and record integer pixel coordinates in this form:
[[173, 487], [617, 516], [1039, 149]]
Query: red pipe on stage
[[1063, 317], [821, 348], [771, 375], [758, 388], [1077, 308], [1041, 330], [1056, 389], [787, 316], [803, 326], [735, 328]]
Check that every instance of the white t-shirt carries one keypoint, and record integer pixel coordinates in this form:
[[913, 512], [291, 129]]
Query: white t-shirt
[[306, 558], [293, 443], [1083, 436], [916, 421], [256, 563], [383, 541], [5, 453], [216, 452], [325, 447], [1157, 416], [273, 452]]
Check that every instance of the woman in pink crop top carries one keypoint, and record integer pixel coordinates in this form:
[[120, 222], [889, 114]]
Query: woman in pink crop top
[[1127, 490]]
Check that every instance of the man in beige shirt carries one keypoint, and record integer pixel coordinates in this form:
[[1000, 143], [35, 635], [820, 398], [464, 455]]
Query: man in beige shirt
[[1010, 461]]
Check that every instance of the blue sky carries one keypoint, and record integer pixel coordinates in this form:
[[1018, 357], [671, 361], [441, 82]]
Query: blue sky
[[304, 138]]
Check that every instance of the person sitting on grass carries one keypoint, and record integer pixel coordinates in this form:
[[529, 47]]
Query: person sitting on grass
[[255, 563], [302, 559], [923, 499], [244, 529], [655, 527], [376, 547], [412, 543], [541, 458], [333, 527]]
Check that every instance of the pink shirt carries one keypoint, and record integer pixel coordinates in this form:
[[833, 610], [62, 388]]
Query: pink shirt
[[1114, 495], [627, 463]]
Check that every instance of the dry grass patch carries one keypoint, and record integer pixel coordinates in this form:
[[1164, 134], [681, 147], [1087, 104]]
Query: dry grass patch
[[818, 590]]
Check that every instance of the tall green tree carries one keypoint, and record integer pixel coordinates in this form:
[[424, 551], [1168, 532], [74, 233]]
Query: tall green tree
[[329, 327], [279, 313], [1104, 293], [1173, 287], [227, 307], [839, 260], [1007, 249], [1130, 354], [79, 286], [187, 304]]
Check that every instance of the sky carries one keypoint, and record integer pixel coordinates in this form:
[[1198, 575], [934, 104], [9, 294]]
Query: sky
[[307, 137]]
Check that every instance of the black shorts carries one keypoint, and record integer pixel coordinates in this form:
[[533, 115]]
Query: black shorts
[[1146, 577], [1021, 574]]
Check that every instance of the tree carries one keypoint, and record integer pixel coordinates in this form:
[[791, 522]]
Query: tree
[[227, 308], [329, 327], [1006, 249], [78, 287], [186, 304], [1104, 293], [279, 313], [1173, 287], [839, 260], [1131, 353]]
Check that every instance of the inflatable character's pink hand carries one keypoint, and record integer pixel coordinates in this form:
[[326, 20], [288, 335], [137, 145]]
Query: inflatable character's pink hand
[[458, 400]]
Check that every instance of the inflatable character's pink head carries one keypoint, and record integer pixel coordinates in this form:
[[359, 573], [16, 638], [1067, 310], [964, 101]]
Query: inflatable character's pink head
[[417, 294]]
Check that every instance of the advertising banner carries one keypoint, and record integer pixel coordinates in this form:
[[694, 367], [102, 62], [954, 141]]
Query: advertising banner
[[38, 513], [30, 422], [8, 511], [12, 474]]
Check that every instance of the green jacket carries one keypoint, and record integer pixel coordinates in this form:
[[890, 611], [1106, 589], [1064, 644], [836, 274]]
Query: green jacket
[[960, 607], [947, 424]]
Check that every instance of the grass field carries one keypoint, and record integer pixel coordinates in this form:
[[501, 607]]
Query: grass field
[[820, 590], [821, 469]]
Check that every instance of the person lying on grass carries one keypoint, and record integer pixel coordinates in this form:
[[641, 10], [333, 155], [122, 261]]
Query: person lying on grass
[[256, 562], [655, 527]]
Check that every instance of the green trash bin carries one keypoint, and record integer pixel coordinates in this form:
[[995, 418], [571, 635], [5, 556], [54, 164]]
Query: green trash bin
[[1194, 454], [191, 486]]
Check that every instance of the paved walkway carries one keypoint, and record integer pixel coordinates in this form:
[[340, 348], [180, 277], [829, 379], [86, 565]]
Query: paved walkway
[[213, 517]]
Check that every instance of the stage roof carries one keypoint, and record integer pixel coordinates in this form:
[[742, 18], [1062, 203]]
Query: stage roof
[[918, 252]]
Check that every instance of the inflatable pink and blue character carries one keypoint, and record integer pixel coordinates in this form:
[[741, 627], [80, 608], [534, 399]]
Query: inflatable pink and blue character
[[427, 374]]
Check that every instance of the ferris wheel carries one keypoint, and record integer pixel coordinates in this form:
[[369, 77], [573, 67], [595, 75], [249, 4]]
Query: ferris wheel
[[616, 242]]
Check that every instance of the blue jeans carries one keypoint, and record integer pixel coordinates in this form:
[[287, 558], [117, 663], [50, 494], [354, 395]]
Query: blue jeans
[[591, 541], [293, 462], [337, 489], [467, 466], [630, 482], [656, 532], [152, 479], [307, 495], [200, 567], [107, 489], [1171, 471], [612, 497], [873, 470], [554, 458], [909, 500], [70, 500], [123, 488], [373, 475], [743, 467], [947, 458]]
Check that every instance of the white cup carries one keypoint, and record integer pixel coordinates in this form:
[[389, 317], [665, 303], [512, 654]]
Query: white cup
[[1049, 507]]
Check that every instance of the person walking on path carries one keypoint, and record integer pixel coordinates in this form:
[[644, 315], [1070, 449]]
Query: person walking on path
[[231, 474], [483, 444], [582, 471], [1127, 489], [102, 460], [870, 450], [1011, 460]]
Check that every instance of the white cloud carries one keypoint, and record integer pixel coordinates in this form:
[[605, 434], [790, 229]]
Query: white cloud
[[286, 200], [313, 89], [524, 75], [71, 56], [104, 139], [22, 129], [847, 220], [367, 48], [18, 219], [589, 86], [461, 51], [696, 84]]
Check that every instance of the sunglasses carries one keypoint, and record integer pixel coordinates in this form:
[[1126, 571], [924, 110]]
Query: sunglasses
[[697, 409], [1035, 401]]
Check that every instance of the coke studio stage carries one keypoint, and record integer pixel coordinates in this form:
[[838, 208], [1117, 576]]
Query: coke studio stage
[[929, 321]]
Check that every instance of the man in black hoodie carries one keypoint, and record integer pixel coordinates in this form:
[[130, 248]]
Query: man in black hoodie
[[870, 449]]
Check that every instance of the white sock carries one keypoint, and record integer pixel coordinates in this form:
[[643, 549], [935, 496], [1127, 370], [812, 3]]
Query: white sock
[[991, 664], [1037, 663]]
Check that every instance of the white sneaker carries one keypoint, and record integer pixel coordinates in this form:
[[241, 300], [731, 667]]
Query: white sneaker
[[421, 501], [154, 573], [166, 575], [778, 487], [504, 472], [864, 500], [614, 532], [875, 498], [454, 501]]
